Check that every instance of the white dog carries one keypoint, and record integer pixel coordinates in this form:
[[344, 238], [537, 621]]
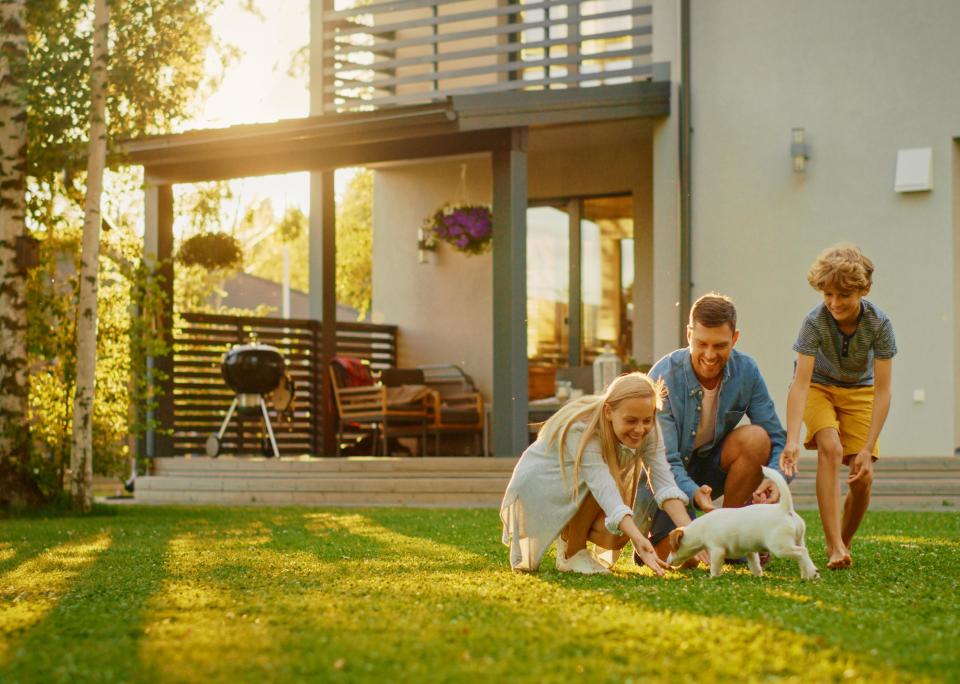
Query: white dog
[[733, 532]]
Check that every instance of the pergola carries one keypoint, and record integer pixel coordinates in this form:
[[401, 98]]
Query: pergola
[[495, 124]]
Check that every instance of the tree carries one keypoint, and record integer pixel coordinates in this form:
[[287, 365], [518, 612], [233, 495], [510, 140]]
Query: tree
[[16, 488], [355, 243], [156, 73], [81, 456]]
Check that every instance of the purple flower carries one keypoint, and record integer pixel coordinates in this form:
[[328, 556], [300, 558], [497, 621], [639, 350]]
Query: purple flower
[[467, 227]]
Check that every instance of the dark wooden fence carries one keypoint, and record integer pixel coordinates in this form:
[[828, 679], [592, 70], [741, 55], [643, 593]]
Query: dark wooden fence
[[201, 398]]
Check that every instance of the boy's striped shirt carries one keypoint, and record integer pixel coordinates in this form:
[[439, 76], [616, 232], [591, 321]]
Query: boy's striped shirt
[[842, 360]]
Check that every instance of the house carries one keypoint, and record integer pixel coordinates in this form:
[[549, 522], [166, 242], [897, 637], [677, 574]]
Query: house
[[636, 155], [247, 291]]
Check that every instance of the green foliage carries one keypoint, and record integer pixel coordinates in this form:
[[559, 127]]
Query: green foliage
[[156, 70], [128, 308], [355, 243], [160, 595], [265, 236], [266, 239]]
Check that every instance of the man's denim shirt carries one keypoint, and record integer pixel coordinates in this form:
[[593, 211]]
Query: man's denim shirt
[[742, 391]]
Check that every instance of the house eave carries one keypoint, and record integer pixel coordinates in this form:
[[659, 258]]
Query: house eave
[[461, 125]]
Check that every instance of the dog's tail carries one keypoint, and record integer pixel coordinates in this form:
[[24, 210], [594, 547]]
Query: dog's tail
[[786, 499]]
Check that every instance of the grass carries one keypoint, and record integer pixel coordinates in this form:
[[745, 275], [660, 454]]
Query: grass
[[137, 594]]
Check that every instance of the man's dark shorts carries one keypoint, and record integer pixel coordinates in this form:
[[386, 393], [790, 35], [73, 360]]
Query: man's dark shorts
[[704, 469]]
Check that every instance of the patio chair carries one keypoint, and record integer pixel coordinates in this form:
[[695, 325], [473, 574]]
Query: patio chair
[[457, 405], [363, 405]]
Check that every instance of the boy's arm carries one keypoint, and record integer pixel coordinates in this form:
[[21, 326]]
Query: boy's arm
[[796, 401], [863, 463]]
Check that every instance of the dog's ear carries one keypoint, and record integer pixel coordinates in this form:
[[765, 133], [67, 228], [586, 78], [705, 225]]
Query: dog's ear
[[675, 536]]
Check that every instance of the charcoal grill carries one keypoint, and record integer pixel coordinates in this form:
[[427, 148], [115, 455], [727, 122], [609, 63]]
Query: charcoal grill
[[251, 371]]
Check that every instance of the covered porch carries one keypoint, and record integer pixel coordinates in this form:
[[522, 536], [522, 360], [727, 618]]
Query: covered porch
[[495, 127]]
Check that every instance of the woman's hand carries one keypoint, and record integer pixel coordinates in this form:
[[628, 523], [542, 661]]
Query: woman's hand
[[649, 557]]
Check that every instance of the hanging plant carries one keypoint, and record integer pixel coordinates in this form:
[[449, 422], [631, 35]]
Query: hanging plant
[[211, 251], [468, 227]]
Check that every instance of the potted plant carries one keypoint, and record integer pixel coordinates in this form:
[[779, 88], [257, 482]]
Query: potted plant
[[468, 227]]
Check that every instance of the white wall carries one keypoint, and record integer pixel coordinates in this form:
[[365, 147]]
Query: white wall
[[864, 78], [444, 308]]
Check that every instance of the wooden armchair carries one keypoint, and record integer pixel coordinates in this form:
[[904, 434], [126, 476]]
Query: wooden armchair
[[365, 406], [456, 406]]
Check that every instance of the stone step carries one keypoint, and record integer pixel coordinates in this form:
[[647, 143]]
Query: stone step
[[350, 499], [229, 465], [420, 485], [899, 483]]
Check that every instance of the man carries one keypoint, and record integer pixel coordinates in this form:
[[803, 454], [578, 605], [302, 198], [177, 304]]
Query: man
[[711, 386]]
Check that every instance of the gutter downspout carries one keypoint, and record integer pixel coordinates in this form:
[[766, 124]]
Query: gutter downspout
[[686, 131]]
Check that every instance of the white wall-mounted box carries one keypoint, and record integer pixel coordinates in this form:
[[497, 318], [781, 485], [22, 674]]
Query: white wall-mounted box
[[914, 170]]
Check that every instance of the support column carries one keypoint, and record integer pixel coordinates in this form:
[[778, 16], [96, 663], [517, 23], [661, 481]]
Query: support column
[[510, 431], [323, 290], [575, 300], [667, 276], [158, 253]]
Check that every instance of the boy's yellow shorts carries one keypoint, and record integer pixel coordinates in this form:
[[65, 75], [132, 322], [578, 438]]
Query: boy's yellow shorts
[[846, 409]]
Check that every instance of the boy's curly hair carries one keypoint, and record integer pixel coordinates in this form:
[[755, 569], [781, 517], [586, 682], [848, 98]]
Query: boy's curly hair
[[843, 267]]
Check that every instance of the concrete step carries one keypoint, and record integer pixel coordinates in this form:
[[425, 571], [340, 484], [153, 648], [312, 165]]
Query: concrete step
[[899, 483], [318, 466]]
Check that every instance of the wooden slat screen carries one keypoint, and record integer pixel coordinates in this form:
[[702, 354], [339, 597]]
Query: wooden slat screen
[[400, 52], [201, 398]]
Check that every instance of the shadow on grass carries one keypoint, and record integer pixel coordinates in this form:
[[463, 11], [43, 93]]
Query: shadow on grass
[[90, 634], [252, 595]]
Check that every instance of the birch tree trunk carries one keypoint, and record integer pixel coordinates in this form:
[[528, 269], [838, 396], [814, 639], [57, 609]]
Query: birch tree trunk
[[16, 487], [81, 456]]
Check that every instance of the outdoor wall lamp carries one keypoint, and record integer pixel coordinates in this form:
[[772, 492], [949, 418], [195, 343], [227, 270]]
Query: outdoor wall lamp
[[799, 151], [425, 243]]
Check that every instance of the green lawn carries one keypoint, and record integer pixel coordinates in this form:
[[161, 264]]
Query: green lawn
[[136, 594]]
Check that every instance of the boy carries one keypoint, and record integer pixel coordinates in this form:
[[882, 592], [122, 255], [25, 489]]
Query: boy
[[846, 348]]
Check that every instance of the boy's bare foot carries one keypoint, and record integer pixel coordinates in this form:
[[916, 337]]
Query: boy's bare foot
[[838, 558], [841, 562]]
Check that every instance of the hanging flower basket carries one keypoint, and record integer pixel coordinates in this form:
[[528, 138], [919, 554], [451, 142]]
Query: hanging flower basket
[[468, 227], [211, 251]]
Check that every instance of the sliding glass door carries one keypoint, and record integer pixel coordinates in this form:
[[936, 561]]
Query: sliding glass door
[[579, 284]]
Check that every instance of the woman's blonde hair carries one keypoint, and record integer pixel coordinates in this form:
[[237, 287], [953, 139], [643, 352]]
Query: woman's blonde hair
[[843, 267], [588, 411]]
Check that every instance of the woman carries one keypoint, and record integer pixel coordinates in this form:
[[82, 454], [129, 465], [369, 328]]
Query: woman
[[578, 481]]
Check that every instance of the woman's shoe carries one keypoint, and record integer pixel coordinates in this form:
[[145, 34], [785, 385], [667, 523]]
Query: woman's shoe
[[561, 545], [582, 562]]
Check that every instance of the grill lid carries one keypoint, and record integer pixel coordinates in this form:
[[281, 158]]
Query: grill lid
[[252, 368]]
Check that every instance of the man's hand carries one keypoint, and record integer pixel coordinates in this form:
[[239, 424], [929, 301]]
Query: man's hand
[[702, 498], [788, 460], [649, 557], [861, 467], [767, 492]]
